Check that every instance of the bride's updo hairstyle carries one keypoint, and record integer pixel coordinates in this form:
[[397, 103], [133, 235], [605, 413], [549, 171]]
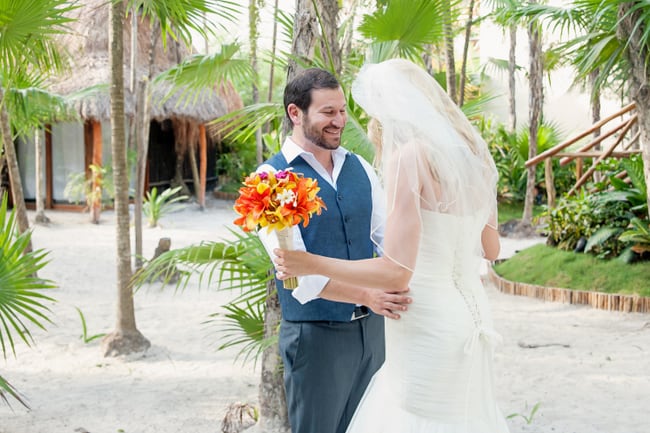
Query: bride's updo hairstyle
[[430, 152]]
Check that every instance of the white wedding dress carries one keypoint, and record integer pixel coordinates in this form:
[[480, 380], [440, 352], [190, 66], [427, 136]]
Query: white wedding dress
[[438, 376]]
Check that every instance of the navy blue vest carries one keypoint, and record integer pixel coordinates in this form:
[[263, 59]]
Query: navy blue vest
[[341, 231]]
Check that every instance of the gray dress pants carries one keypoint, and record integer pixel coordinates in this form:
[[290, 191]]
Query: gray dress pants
[[327, 367]]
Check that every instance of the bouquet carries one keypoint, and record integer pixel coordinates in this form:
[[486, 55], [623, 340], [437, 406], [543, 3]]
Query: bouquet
[[278, 201]]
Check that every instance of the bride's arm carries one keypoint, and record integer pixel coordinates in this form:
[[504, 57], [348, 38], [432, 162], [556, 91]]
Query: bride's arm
[[393, 270], [380, 272], [490, 239]]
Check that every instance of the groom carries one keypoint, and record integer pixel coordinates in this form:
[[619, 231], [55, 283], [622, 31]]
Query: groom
[[330, 349]]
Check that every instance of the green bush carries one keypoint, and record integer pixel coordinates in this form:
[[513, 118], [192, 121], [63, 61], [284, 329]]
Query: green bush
[[587, 215], [510, 152]]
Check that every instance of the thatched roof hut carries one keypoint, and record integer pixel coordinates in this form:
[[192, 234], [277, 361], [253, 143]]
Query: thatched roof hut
[[88, 44], [177, 126]]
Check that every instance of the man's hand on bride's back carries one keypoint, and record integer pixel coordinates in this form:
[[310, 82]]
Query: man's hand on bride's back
[[388, 304]]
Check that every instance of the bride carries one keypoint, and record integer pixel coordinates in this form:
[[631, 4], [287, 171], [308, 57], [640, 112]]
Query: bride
[[440, 182]]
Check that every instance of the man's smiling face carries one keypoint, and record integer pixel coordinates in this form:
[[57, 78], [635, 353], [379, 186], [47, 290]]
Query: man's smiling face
[[324, 120]]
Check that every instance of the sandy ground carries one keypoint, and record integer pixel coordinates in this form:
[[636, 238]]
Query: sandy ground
[[588, 372]]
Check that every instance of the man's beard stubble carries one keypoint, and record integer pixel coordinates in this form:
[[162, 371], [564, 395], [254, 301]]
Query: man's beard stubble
[[316, 136]]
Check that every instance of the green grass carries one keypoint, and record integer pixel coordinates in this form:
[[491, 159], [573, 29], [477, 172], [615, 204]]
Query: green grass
[[514, 210], [546, 266]]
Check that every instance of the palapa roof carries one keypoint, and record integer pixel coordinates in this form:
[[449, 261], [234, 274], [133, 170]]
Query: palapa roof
[[87, 43]]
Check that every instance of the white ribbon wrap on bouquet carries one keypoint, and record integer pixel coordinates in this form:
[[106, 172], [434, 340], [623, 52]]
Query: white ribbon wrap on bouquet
[[285, 241]]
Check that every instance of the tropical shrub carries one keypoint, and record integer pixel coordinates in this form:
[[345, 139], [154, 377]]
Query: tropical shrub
[[156, 205], [628, 198], [638, 234], [510, 152], [96, 190], [568, 222]]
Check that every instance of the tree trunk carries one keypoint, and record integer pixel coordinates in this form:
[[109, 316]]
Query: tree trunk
[[40, 218], [143, 99], [463, 68], [305, 35], [631, 29], [449, 53], [142, 140], [595, 114], [14, 171], [309, 28], [328, 11], [253, 35], [181, 149], [192, 142], [274, 41], [273, 407], [512, 68], [126, 338], [349, 14], [536, 104]]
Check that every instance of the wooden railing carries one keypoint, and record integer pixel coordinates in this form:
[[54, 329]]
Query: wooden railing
[[586, 151]]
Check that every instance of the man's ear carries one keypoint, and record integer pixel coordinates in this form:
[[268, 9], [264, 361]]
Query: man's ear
[[295, 114]]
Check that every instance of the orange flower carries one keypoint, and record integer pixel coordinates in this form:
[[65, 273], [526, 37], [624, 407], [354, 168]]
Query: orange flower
[[277, 200]]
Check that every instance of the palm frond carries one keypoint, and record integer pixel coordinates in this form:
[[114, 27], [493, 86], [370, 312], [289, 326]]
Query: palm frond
[[241, 124], [195, 77], [240, 264], [7, 388], [237, 264], [638, 233], [413, 23], [242, 324], [30, 105], [600, 236], [634, 169], [28, 31], [21, 301], [182, 17]]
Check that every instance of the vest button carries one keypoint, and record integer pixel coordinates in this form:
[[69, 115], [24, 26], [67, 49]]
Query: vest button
[[339, 197], [349, 241], [346, 219]]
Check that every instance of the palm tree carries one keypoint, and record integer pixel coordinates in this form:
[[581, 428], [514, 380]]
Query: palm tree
[[30, 107], [22, 302], [253, 35], [613, 41], [535, 77], [505, 14], [633, 27], [125, 338], [27, 31], [450, 58], [177, 18], [463, 68]]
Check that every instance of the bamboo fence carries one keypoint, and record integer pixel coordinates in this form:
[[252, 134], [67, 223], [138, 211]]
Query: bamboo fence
[[599, 300]]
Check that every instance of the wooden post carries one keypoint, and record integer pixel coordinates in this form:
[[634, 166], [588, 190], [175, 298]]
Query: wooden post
[[579, 164], [203, 164], [550, 182], [96, 135], [49, 187]]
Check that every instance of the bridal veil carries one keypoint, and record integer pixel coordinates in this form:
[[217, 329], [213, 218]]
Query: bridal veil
[[430, 157]]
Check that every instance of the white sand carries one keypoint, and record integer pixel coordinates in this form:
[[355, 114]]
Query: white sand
[[599, 384]]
